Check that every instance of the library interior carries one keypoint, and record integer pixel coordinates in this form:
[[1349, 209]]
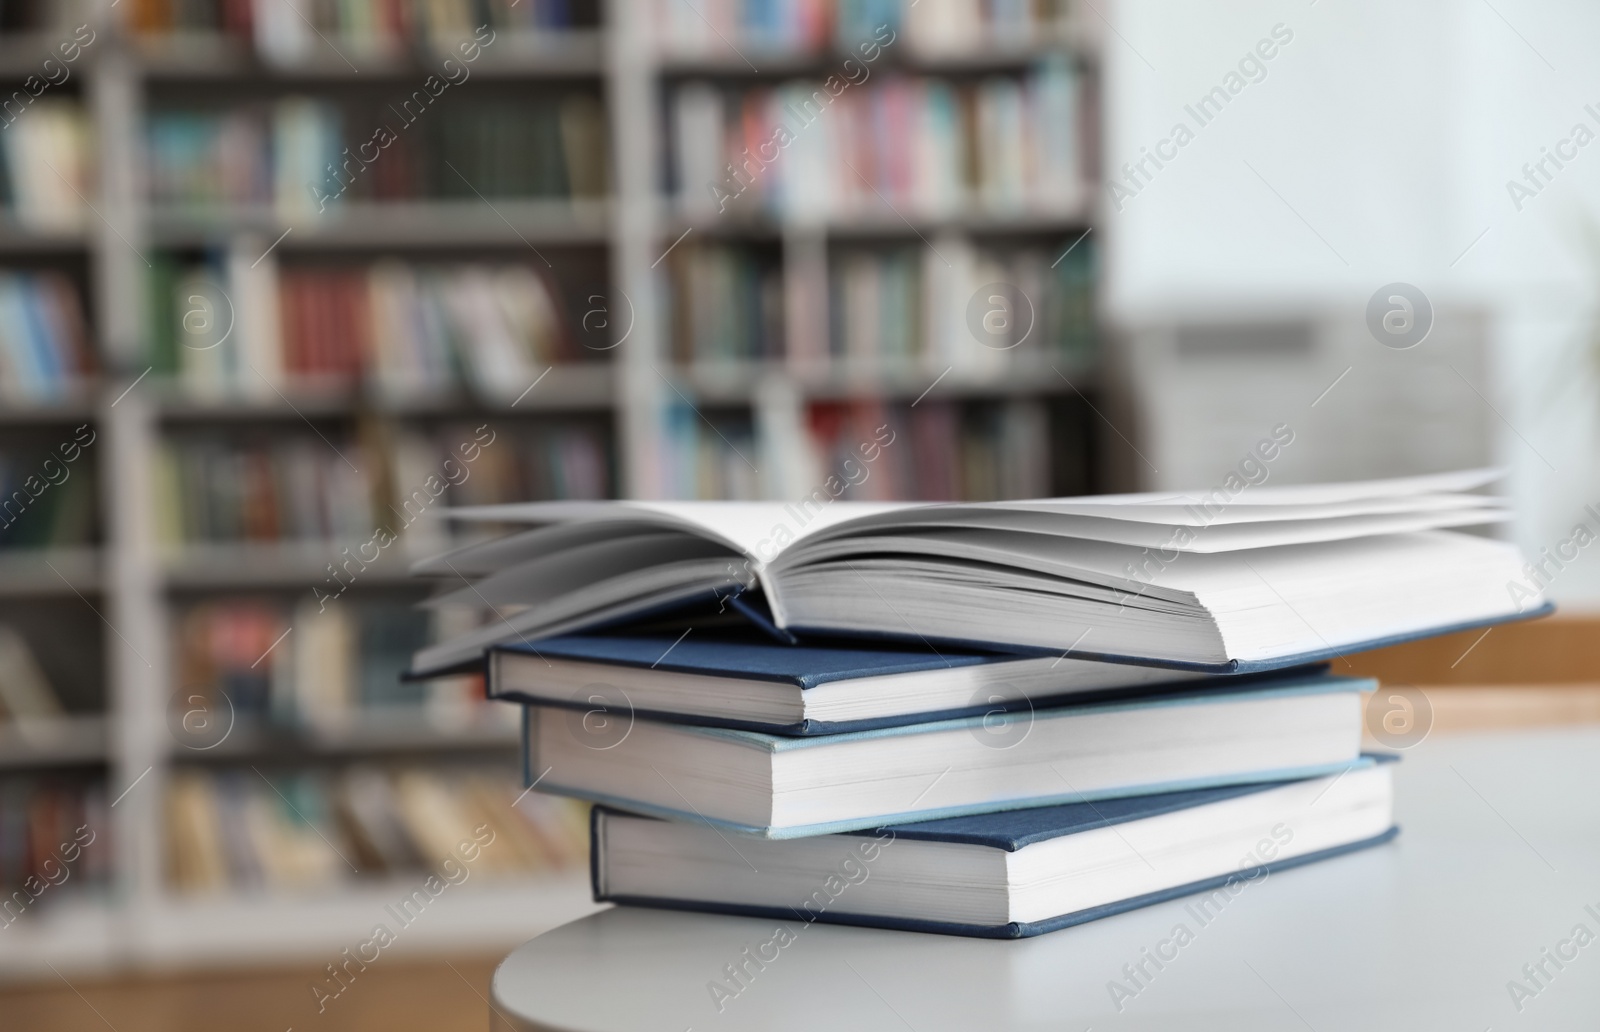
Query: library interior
[[293, 292]]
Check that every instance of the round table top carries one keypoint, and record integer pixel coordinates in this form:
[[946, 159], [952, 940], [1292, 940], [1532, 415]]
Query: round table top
[[1470, 920]]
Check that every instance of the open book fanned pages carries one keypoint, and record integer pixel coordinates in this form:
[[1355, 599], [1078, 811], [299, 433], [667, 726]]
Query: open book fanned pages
[[1256, 579]]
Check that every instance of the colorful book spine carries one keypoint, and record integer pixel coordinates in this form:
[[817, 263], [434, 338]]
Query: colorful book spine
[[921, 145], [55, 842], [937, 451], [368, 26], [812, 26], [712, 455], [302, 488], [725, 303], [234, 655], [45, 171], [235, 326], [47, 501], [310, 830], [297, 489], [300, 157], [890, 307], [45, 353]]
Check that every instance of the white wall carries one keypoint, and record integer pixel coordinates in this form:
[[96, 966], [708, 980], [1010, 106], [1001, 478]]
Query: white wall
[[1390, 131]]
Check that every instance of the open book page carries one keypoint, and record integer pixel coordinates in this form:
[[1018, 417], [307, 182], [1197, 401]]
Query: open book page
[[1241, 492], [545, 580], [1287, 601], [934, 521], [1259, 606], [764, 530], [1219, 511], [759, 530]]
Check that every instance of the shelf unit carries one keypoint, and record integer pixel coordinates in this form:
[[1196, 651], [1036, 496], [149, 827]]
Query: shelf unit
[[776, 393], [133, 581]]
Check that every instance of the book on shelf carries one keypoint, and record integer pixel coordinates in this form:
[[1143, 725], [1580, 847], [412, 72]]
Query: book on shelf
[[743, 679], [890, 310], [722, 303], [950, 28], [47, 151], [804, 26], [875, 305], [1018, 306], [289, 489], [709, 455], [529, 147], [346, 667], [42, 18], [1010, 874], [55, 842], [339, 492], [925, 146], [302, 158], [25, 691], [933, 451], [46, 500], [1238, 578], [369, 27], [564, 458], [45, 353], [253, 155], [232, 325], [321, 829], [339, 670], [961, 27], [785, 786], [977, 311], [219, 647]]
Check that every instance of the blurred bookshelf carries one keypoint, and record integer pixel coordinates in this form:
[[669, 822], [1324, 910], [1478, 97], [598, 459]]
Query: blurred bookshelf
[[275, 291]]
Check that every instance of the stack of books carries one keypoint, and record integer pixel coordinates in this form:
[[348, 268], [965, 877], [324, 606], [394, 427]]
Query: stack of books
[[985, 719]]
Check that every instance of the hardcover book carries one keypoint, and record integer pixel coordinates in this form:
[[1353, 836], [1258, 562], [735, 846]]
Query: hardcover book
[[1004, 875], [753, 682], [1236, 579], [789, 787]]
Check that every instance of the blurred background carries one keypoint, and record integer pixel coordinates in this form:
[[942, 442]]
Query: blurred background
[[282, 279]]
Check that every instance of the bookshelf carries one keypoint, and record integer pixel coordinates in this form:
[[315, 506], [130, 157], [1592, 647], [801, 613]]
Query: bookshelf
[[624, 406]]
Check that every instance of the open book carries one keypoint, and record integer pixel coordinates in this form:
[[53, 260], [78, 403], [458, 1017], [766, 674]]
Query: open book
[[1257, 578]]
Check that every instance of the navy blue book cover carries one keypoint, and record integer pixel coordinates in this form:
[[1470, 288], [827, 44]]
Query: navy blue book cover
[[1011, 830], [752, 658]]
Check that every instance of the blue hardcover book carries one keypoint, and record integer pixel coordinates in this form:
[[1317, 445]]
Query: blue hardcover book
[[779, 786], [755, 683], [1004, 875]]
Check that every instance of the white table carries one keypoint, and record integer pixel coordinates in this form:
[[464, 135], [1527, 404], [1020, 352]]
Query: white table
[[1498, 855]]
